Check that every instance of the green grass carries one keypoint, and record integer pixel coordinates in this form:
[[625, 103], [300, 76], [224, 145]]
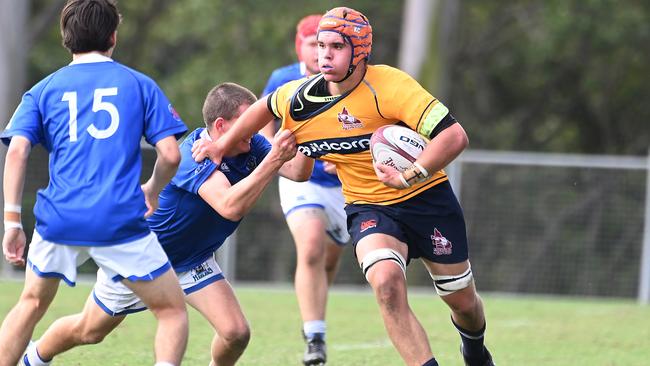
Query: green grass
[[521, 330]]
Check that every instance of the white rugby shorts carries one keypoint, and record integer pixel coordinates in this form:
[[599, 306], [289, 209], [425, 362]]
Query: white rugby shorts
[[298, 195], [117, 299], [141, 259]]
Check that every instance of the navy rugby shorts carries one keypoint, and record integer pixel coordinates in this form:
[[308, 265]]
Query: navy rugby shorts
[[431, 224]]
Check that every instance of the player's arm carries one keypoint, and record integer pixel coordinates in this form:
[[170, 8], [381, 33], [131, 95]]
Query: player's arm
[[429, 117], [438, 153], [167, 159], [13, 243], [443, 148], [298, 169], [232, 202], [251, 121]]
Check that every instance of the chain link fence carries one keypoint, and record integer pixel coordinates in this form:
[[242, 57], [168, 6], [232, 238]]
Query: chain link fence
[[537, 223]]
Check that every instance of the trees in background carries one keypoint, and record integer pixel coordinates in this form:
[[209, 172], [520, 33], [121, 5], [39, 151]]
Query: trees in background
[[189, 46], [558, 75]]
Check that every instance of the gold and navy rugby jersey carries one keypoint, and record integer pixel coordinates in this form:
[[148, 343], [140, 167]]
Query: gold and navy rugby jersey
[[337, 129]]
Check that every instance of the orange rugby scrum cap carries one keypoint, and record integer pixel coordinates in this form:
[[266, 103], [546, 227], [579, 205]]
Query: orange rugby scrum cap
[[355, 29], [307, 26]]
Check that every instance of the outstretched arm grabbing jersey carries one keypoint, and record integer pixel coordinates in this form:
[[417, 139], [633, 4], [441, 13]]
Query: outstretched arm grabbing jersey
[[234, 201], [251, 121]]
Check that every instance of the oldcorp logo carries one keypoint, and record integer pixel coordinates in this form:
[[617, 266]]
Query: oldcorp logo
[[344, 145]]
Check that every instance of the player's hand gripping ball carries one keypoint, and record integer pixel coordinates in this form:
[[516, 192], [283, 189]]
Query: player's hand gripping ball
[[396, 146]]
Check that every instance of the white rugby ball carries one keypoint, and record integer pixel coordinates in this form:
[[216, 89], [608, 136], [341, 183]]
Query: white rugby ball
[[396, 146]]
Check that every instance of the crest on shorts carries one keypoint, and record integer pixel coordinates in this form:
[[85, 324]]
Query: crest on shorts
[[441, 246], [368, 224], [201, 271], [348, 121]]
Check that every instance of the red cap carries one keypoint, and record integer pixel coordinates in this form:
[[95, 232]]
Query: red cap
[[307, 26]]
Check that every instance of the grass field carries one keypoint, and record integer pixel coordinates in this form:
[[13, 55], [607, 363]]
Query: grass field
[[521, 330]]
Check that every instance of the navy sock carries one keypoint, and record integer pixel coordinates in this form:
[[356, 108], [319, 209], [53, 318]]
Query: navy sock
[[431, 362], [473, 347]]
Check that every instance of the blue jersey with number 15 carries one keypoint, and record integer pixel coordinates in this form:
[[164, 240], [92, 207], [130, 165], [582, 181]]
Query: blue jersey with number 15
[[90, 116]]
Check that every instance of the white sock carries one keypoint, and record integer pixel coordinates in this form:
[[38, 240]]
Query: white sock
[[33, 357], [314, 326], [163, 364]]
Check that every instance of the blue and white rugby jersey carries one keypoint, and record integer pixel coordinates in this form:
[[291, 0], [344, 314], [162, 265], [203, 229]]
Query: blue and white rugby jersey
[[188, 228], [280, 77], [90, 116]]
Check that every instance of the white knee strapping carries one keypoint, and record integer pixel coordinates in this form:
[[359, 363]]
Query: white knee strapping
[[377, 255], [446, 285]]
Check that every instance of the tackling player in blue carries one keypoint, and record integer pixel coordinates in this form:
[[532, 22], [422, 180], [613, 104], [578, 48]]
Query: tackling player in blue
[[199, 209], [90, 116]]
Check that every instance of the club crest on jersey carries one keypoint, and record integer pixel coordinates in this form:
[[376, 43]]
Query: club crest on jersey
[[224, 168], [441, 246], [368, 224], [349, 121]]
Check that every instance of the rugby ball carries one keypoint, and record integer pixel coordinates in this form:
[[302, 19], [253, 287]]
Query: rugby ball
[[396, 146]]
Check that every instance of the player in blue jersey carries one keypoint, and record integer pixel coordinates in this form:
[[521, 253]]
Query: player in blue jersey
[[313, 210], [90, 116], [199, 209]]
